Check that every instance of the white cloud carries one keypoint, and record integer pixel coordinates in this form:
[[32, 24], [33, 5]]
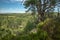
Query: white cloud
[[17, 0], [11, 10], [20, 1], [13, 1]]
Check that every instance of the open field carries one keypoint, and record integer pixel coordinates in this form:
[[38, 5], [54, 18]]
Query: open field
[[19, 26]]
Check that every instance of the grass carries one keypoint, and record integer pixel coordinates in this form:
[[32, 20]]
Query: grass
[[23, 27]]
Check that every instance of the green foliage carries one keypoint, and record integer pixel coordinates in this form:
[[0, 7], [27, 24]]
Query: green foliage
[[52, 27], [10, 29]]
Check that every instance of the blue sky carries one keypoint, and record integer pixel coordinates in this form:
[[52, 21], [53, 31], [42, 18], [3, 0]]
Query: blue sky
[[11, 6]]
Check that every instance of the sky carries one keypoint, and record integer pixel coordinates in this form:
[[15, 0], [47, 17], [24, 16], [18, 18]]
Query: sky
[[12, 6]]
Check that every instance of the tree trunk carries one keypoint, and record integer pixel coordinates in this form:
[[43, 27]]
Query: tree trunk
[[40, 16], [40, 11], [58, 12]]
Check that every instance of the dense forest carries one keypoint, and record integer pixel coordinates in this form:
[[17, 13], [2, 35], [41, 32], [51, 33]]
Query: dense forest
[[43, 23]]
